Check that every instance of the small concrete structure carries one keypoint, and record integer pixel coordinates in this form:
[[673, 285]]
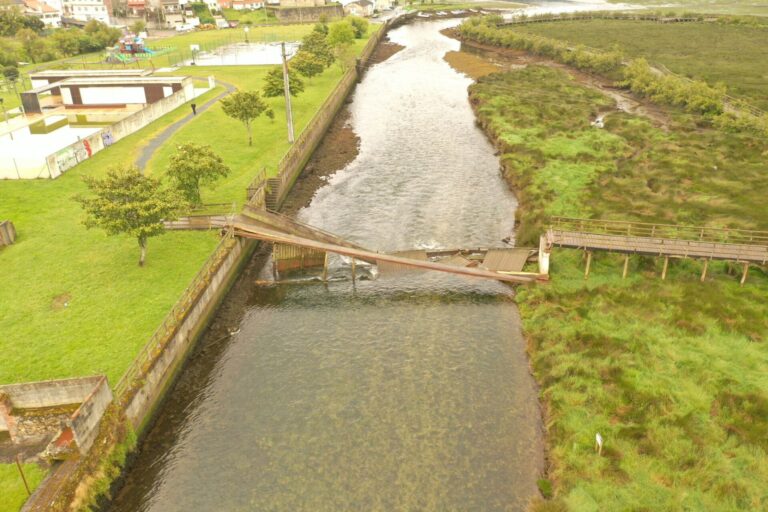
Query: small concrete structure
[[105, 91], [31, 410], [7, 233], [50, 76]]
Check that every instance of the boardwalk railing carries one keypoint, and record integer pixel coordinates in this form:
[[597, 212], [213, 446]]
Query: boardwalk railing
[[667, 231]]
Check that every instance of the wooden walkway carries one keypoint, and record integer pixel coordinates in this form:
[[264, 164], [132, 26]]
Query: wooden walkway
[[660, 240], [499, 264]]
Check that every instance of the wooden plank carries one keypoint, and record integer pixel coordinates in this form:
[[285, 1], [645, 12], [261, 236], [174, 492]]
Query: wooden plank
[[505, 260]]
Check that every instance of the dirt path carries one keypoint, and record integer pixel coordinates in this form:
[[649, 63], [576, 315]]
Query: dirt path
[[505, 59], [148, 151]]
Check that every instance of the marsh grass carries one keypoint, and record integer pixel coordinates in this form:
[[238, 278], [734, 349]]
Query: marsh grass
[[671, 373]]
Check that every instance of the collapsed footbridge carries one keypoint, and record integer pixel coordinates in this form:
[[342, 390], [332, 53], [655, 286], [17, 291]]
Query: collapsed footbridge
[[299, 245]]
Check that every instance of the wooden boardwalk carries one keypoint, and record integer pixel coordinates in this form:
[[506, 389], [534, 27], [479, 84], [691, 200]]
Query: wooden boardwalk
[[660, 240]]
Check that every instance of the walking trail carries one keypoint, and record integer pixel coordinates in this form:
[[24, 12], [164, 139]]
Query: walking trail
[[149, 150]]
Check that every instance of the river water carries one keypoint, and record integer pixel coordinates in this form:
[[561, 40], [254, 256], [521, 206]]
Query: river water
[[405, 392]]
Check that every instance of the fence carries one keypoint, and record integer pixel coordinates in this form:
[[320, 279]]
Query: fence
[[131, 379], [667, 231]]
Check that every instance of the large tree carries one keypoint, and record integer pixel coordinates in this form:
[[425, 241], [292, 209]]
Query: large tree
[[193, 165], [127, 202], [275, 86], [307, 64], [315, 43], [341, 35], [245, 106]]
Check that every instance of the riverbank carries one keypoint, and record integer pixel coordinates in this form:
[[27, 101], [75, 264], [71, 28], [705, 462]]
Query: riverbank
[[670, 373]]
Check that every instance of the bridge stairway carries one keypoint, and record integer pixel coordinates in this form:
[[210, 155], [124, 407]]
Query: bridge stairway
[[272, 196]]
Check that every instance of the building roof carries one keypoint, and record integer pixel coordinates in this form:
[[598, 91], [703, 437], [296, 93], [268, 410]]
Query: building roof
[[36, 6], [88, 72], [361, 3]]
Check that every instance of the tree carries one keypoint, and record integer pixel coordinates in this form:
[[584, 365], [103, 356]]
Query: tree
[[245, 106], [127, 202], [138, 27], [341, 35], [307, 64], [32, 43], [193, 165], [315, 43], [359, 25], [274, 85]]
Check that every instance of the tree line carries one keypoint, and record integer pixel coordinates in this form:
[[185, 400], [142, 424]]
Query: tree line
[[25, 39]]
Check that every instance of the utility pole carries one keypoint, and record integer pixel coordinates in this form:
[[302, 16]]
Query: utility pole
[[21, 472], [287, 90]]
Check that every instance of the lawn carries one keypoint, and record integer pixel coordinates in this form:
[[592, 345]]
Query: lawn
[[12, 489], [713, 52], [739, 7], [673, 374], [247, 16]]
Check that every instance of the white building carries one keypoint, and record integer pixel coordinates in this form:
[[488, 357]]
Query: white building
[[87, 10], [50, 15]]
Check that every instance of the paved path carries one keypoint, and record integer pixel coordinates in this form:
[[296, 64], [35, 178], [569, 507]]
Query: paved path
[[149, 150]]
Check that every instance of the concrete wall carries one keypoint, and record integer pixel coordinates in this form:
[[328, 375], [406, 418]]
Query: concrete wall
[[169, 362], [304, 14], [92, 393], [85, 421], [70, 156], [51, 393]]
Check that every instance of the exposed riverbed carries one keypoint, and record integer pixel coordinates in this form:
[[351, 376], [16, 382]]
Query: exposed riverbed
[[406, 392]]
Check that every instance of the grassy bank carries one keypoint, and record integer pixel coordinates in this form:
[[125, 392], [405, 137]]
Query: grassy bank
[[712, 52], [74, 301], [12, 490], [671, 373], [714, 6]]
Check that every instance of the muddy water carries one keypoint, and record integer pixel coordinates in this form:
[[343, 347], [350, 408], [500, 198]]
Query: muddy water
[[405, 392]]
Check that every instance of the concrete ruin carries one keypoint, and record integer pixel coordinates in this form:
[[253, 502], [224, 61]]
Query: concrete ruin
[[65, 413]]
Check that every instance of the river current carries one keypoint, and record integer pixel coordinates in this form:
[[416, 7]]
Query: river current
[[406, 391]]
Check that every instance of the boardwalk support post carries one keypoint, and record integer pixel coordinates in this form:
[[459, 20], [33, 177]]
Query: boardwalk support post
[[626, 266], [589, 263], [704, 271], [744, 274], [544, 251], [664, 270], [325, 268]]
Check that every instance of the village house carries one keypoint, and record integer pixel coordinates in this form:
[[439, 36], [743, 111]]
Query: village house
[[362, 8], [86, 10]]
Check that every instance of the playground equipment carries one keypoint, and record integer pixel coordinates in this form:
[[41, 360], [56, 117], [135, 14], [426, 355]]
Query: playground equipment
[[132, 48]]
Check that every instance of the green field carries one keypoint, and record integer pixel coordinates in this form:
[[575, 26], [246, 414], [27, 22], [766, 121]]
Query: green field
[[12, 489], [713, 52], [74, 301], [254, 17], [673, 374], [741, 7]]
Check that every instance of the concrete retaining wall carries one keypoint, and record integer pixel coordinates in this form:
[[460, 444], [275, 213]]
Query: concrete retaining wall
[[91, 393], [308, 14], [169, 361]]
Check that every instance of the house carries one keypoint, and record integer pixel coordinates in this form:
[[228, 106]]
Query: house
[[363, 8], [239, 5], [86, 10], [302, 3], [49, 15]]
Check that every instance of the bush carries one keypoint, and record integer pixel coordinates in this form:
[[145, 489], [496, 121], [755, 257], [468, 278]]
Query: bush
[[359, 25]]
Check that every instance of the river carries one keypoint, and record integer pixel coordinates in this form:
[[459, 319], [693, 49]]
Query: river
[[402, 392]]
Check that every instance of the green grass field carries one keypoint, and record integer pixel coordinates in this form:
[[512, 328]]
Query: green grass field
[[739, 7], [673, 374], [12, 489], [713, 52], [74, 301]]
